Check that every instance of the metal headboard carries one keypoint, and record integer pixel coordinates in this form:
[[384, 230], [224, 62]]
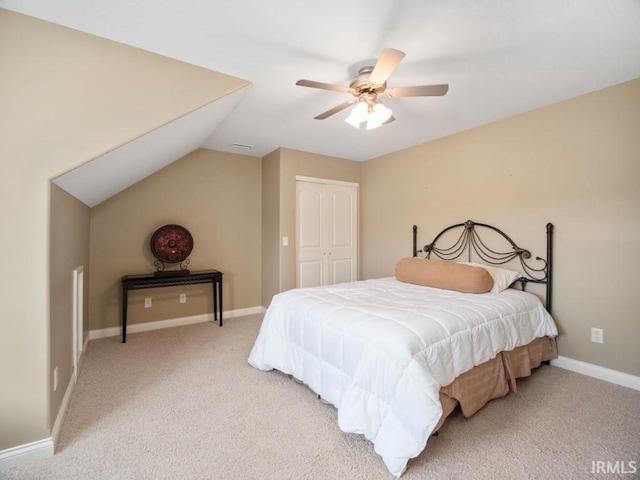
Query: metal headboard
[[470, 241]]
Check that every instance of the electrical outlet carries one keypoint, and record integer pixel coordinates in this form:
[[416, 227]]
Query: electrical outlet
[[183, 298], [55, 379], [597, 335], [147, 302]]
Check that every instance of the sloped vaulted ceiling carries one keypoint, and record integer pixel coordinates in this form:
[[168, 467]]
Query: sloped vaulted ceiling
[[109, 174], [114, 112]]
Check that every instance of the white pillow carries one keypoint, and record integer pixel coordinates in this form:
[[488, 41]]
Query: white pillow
[[502, 277]]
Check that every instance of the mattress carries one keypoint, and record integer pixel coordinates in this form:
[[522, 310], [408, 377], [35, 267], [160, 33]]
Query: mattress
[[381, 350]]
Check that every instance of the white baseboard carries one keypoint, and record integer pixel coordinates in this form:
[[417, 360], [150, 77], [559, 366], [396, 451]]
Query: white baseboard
[[62, 411], [24, 454], [602, 373], [45, 448], [172, 322]]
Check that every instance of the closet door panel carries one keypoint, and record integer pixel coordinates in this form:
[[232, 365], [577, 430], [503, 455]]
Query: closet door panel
[[341, 270], [326, 233], [311, 234], [343, 233]]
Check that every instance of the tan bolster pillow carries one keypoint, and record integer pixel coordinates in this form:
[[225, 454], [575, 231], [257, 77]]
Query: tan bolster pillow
[[445, 275]]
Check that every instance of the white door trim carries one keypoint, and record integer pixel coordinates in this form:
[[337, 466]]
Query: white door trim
[[78, 316], [326, 181]]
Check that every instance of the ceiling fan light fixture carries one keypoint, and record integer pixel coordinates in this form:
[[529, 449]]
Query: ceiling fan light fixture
[[378, 115], [358, 114], [371, 82]]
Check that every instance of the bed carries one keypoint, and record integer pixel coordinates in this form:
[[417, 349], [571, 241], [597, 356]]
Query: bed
[[396, 355]]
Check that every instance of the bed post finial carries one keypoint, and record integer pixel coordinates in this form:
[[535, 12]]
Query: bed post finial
[[415, 241]]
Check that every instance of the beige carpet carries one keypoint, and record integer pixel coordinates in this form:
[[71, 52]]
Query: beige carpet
[[183, 403]]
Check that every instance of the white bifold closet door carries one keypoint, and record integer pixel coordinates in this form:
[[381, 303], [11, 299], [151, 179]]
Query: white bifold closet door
[[326, 233]]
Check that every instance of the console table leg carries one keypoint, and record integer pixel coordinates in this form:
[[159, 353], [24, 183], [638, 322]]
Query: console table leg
[[125, 295], [220, 290], [214, 288]]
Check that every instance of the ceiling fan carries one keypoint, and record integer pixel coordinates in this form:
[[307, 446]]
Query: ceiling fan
[[370, 83]]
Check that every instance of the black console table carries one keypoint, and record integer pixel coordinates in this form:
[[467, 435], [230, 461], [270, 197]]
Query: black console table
[[170, 279]]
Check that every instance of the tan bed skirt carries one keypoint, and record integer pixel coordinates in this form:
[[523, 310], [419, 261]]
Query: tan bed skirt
[[495, 378]]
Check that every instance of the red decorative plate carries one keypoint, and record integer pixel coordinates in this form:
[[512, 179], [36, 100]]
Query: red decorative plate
[[171, 243]]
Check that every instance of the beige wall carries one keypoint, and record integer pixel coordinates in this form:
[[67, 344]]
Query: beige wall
[[575, 164], [216, 196], [69, 239], [292, 163], [270, 274], [67, 97]]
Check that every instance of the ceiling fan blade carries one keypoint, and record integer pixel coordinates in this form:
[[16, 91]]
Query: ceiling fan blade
[[323, 86], [386, 64], [335, 110], [417, 91]]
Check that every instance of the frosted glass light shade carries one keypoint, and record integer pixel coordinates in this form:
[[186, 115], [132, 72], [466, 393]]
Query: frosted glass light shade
[[358, 114], [378, 116]]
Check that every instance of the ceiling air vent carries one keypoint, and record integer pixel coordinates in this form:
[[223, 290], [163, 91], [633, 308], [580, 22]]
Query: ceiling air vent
[[242, 145]]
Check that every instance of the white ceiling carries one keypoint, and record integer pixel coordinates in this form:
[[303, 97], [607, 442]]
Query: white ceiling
[[499, 57]]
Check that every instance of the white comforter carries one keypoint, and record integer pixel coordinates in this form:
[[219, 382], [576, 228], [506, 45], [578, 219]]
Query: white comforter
[[379, 350]]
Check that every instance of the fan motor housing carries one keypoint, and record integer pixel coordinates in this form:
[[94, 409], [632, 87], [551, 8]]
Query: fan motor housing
[[362, 85]]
